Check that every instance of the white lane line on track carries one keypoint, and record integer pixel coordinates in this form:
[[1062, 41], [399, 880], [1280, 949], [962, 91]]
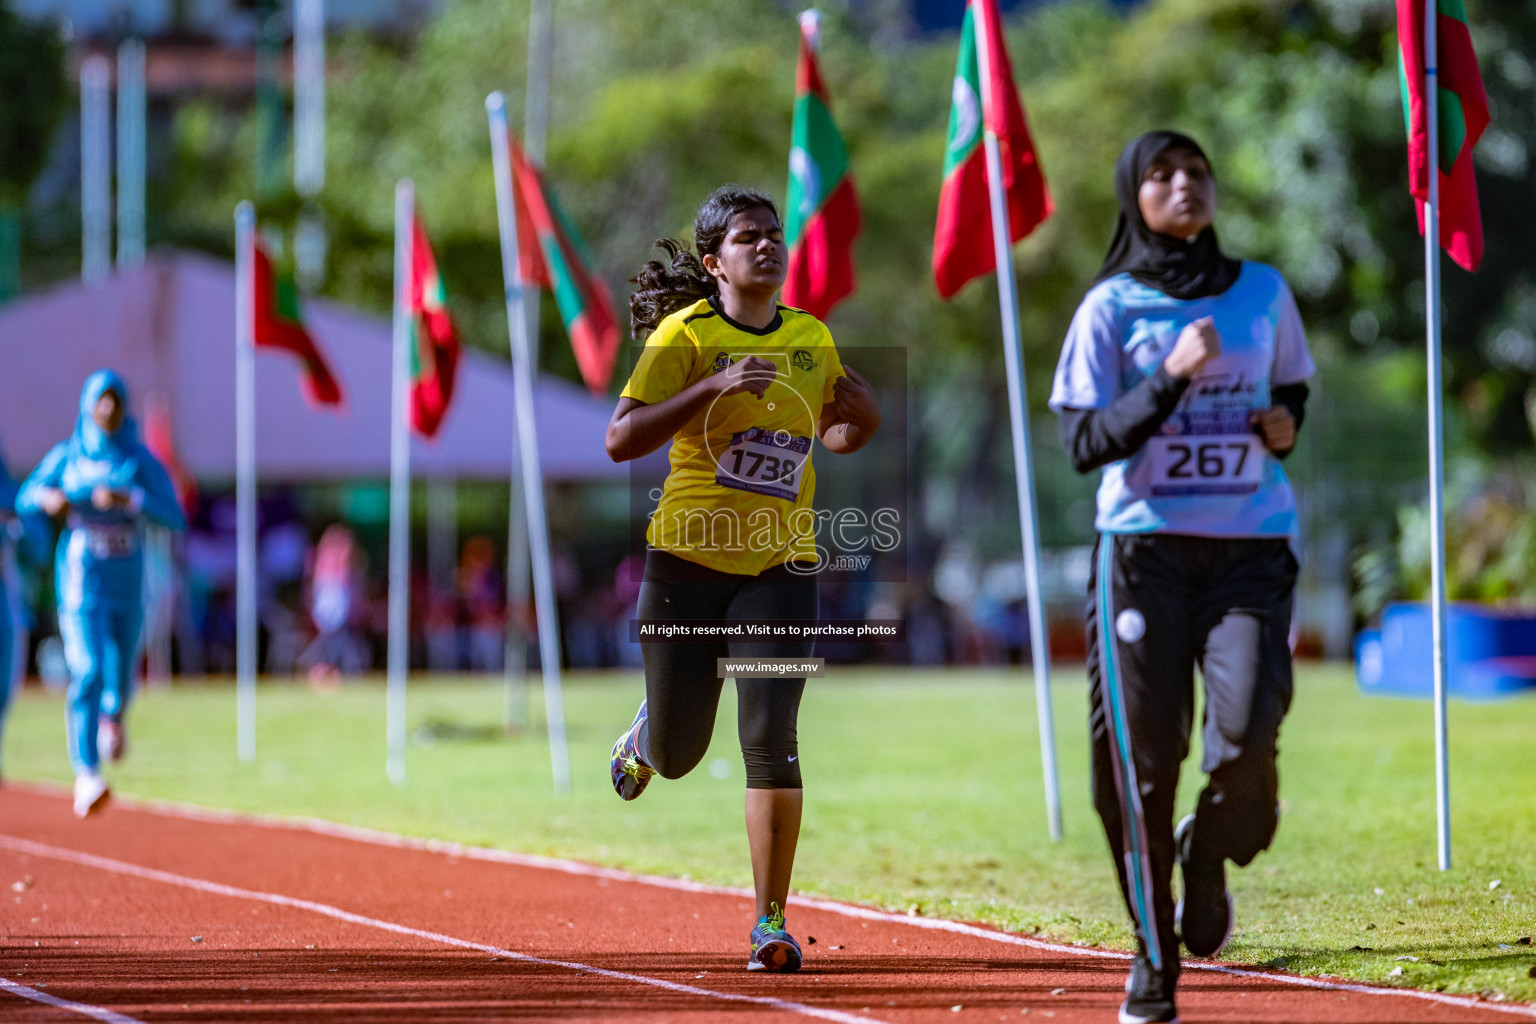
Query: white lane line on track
[[378, 837], [84, 1009], [219, 889]]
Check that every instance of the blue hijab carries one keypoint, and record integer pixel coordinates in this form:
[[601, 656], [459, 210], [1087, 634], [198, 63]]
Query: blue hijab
[[89, 439], [121, 447]]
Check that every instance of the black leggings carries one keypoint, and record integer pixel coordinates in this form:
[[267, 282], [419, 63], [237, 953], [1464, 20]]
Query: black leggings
[[1159, 605], [681, 684]]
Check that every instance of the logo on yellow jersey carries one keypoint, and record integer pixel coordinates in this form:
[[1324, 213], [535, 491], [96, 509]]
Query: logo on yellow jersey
[[801, 360], [722, 362]]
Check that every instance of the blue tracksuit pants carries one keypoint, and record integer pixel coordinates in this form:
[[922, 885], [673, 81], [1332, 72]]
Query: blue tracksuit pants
[[101, 646]]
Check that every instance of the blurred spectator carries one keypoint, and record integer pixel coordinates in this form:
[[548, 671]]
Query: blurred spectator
[[626, 592], [283, 551], [439, 626], [482, 590], [336, 591], [208, 644]]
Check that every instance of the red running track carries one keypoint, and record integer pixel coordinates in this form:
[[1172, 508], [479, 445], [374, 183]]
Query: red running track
[[170, 914]]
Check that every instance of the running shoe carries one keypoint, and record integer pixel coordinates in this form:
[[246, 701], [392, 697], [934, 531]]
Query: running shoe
[[1149, 994], [1205, 913], [91, 794], [629, 770], [773, 948], [111, 739]]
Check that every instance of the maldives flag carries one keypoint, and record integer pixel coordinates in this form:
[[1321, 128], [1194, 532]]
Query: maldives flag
[[822, 211], [434, 339], [1462, 116], [552, 256], [962, 239], [280, 324]]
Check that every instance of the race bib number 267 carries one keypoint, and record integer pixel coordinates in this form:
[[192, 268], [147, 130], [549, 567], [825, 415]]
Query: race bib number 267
[[1191, 464]]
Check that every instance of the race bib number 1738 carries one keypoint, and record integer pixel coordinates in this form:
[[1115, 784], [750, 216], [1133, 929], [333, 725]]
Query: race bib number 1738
[[771, 462]]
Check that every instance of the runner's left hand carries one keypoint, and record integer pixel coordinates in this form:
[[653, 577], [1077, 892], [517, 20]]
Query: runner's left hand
[[855, 401], [1277, 427], [104, 498]]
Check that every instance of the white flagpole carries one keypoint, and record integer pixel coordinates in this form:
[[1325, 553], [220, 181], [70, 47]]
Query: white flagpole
[[309, 97], [535, 122], [400, 488], [1436, 437], [95, 168], [309, 235], [245, 481], [515, 685], [528, 447], [1018, 415], [130, 153]]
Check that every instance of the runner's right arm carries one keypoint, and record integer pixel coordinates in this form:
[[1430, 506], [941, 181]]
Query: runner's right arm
[[638, 428], [40, 491], [1097, 437]]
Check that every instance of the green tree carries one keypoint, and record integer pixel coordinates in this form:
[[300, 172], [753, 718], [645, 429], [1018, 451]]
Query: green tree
[[35, 92], [1296, 100]]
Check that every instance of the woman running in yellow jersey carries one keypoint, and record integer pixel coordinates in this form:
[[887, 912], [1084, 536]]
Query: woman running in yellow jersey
[[743, 387]]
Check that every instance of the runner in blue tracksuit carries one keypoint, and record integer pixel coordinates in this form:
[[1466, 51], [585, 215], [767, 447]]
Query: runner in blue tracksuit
[[106, 484]]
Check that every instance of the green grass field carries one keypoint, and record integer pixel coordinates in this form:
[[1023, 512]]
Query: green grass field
[[923, 793]]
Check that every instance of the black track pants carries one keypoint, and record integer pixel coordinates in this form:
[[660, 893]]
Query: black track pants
[[1159, 605], [681, 684]]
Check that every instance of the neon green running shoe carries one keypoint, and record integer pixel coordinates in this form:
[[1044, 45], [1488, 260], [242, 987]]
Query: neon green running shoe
[[773, 948], [629, 771]]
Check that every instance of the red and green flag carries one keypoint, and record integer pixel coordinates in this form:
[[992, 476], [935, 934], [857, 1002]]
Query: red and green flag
[[822, 210], [279, 323], [552, 256], [434, 340], [962, 241], [1462, 117]]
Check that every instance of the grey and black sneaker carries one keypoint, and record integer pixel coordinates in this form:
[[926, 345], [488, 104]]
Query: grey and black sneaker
[[773, 948], [1149, 994], [1205, 914]]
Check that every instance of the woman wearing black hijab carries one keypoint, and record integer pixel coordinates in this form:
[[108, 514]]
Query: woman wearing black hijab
[[1182, 380]]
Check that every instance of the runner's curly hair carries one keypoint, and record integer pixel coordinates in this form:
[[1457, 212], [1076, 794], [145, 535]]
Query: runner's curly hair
[[681, 280]]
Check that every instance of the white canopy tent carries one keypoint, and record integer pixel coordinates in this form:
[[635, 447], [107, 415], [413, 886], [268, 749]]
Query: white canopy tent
[[167, 326]]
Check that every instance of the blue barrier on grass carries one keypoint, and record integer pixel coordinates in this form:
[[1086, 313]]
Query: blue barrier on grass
[[1491, 652]]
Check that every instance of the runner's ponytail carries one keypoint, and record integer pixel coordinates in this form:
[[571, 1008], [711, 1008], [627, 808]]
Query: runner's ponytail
[[666, 287]]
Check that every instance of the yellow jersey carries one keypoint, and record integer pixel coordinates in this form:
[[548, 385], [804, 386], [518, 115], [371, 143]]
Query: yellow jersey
[[738, 494]]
